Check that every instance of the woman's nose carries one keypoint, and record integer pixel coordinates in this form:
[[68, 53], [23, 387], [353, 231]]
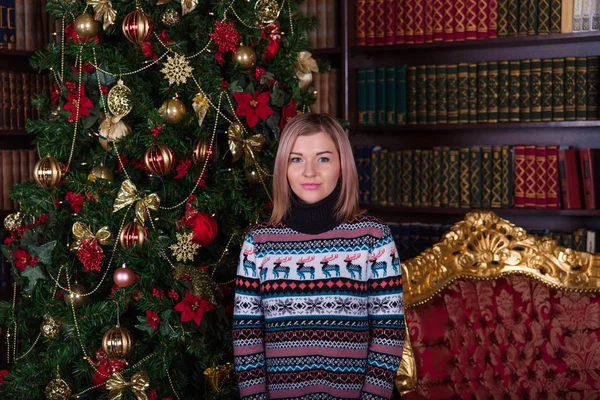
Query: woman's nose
[[309, 170]]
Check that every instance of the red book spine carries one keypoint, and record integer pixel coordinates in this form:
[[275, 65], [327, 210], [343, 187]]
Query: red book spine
[[428, 21], [460, 20], [530, 177], [541, 172], [380, 20], [419, 20], [400, 22], [570, 185], [471, 19], [519, 160], [390, 23], [493, 19], [589, 160], [361, 14], [444, 10], [482, 19], [409, 21], [370, 23], [552, 178]]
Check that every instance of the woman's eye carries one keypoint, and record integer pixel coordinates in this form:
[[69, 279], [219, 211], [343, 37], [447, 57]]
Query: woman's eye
[[324, 159], [295, 159]]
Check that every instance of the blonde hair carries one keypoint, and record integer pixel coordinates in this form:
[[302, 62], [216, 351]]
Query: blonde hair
[[308, 124]]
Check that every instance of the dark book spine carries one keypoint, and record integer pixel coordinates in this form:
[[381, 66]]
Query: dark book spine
[[421, 94], [390, 96], [452, 91], [581, 82], [401, 95], [454, 181], [502, 18], [371, 96], [411, 94], [362, 96], [543, 17], [570, 88], [407, 178], [376, 176], [473, 93], [465, 177], [523, 17], [496, 177], [592, 88], [397, 174], [524, 91], [436, 177], [441, 94], [426, 169], [475, 177], [463, 93], [384, 176], [431, 95], [546, 89], [503, 91], [535, 90], [558, 89], [492, 95], [445, 176], [390, 161], [514, 91], [513, 17], [380, 96], [482, 92], [417, 178], [507, 177], [532, 18], [486, 177]]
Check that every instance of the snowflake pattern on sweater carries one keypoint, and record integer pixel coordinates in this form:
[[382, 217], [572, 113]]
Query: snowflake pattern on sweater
[[318, 316]]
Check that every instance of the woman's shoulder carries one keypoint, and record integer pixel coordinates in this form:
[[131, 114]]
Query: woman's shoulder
[[265, 227], [368, 222]]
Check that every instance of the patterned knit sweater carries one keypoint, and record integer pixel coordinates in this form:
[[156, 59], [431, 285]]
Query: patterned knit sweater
[[318, 316]]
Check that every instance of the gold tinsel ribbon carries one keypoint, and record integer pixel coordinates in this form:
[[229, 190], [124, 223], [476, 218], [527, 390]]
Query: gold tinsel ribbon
[[117, 385], [128, 194], [81, 232], [250, 145], [305, 66], [103, 11], [218, 375]]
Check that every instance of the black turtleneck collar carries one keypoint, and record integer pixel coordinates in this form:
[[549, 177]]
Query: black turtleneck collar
[[313, 218]]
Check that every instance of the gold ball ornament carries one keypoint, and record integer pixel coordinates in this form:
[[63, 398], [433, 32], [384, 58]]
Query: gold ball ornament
[[117, 342], [138, 27], [57, 389], [118, 99], [173, 111], [13, 221], [267, 11], [170, 17], [50, 327], [101, 172], [203, 150], [253, 175], [132, 234], [245, 57], [111, 130], [86, 26], [160, 159], [48, 172], [75, 295]]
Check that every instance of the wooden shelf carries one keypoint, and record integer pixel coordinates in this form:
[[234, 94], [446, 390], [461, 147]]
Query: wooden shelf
[[478, 126], [15, 53], [13, 133], [500, 211], [327, 51]]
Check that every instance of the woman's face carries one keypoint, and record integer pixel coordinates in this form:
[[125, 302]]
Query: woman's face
[[313, 167]]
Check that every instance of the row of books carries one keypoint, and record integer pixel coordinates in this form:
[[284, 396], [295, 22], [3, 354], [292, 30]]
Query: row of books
[[520, 176], [16, 166], [25, 25], [387, 22], [579, 240], [17, 89], [557, 89], [326, 33], [326, 86]]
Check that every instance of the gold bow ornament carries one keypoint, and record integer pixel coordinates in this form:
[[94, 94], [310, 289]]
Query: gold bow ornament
[[116, 384], [305, 66], [239, 144], [188, 6], [103, 11], [81, 232], [218, 375], [128, 194]]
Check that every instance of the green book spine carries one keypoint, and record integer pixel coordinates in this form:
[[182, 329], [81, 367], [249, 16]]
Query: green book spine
[[426, 167], [507, 177], [496, 177], [445, 174], [417, 178], [397, 172], [452, 91], [556, 15], [421, 94], [579, 237], [535, 90], [390, 169], [502, 18], [371, 96], [503, 91], [543, 18], [532, 18], [581, 83], [390, 96], [400, 92], [482, 92], [362, 97], [407, 178], [465, 177], [473, 93], [592, 88], [475, 177], [513, 17], [570, 88], [463, 93], [411, 95], [558, 89], [431, 116], [514, 89], [441, 94], [525, 91], [376, 175], [486, 177], [547, 89], [436, 177], [523, 17], [453, 178], [380, 95], [492, 95]]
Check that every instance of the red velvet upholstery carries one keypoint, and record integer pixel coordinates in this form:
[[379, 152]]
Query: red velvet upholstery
[[509, 338]]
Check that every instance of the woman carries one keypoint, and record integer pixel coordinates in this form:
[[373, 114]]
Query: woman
[[318, 308]]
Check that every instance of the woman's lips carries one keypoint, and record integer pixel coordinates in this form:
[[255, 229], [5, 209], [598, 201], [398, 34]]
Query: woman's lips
[[310, 186]]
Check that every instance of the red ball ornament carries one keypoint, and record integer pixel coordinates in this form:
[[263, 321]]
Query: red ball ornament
[[203, 150], [124, 276], [132, 234], [160, 159], [138, 27], [204, 227]]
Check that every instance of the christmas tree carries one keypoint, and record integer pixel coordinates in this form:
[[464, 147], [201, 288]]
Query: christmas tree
[[155, 152]]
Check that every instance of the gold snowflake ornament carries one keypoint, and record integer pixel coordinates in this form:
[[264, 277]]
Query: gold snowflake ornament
[[177, 69], [184, 249]]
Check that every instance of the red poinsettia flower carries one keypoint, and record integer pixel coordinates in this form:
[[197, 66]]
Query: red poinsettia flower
[[23, 259], [152, 319], [75, 200], [192, 308], [287, 113], [253, 107], [226, 38], [3, 374], [79, 101], [182, 168]]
